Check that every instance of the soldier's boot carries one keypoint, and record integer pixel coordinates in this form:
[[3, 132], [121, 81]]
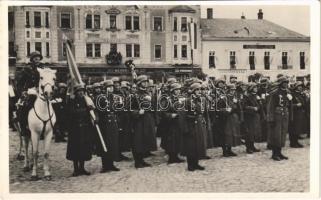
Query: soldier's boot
[[225, 151], [249, 149], [145, 164], [283, 157], [171, 158], [275, 155], [138, 160], [190, 165], [82, 168], [76, 169], [197, 166], [230, 152]]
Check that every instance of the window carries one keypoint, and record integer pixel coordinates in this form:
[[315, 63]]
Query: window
[[47, 34], [232, 60], [28, 34], [38, 47], [88, 22], [175, 24], [112, 21], [37, 19], [37, 34], [175, 37], [10, 20], [28, 49], [158, 24], [158, 51], [96, 21], [184, 24], [64, 50], [93, 50], [284, 60], [184, 51], [27, 19], [184, 38], [113, 47], [136, 51], [211, 59], [128, 50], [175, 51], [65, 20], [47, 20], [136, 22], [267, 60], [252, 60], [128, 23], [47, 49], [97, 51], [89, 50], [302, 60]]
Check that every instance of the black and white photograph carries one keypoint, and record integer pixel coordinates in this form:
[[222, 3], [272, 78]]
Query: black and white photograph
[[164, 97]]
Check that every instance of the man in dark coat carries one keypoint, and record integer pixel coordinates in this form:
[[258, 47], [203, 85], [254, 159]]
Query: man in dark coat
[[278, 105], [109, 129], [79, 146], [194, 146], [172, 139], [252, 118], [142, 115], [123, 118], [298, 125]]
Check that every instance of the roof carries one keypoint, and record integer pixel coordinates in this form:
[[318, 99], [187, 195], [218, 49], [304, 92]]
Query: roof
[[182, 9], [247, 29]]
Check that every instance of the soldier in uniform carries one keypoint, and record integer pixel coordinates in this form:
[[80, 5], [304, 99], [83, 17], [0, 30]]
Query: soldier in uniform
[[278, 105], [144, 136], [298, 125], [172, 138], [252, 118], [109, 129], [59, 106], [123, 119], [28, 82], [194, 146], [80, 137]]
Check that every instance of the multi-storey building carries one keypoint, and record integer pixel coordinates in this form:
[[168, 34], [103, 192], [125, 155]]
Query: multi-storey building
[[161, 40], [242, 47]]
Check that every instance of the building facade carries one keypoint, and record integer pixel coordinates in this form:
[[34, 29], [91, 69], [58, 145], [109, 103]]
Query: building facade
[[243, 47], [161, 40]]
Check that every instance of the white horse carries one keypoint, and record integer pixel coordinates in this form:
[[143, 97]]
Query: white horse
[[41, 120]]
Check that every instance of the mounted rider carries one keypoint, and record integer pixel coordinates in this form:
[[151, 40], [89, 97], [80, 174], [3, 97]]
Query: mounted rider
[[28, 83]]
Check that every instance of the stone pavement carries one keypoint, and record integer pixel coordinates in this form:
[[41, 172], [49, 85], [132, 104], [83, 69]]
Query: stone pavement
[[244, 173]]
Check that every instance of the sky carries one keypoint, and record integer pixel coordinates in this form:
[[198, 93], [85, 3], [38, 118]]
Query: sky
[[296, 18]]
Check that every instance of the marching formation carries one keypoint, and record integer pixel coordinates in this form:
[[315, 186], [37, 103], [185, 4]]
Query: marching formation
[[189, 117]]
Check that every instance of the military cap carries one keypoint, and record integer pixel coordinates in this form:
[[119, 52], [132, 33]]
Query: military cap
[[141, 78], [264, 80], [188, 82], [175, 86], [78, 87], [62, 85], [282, 79], [35, 54], [231, 86], [219, 81], [171, 80], [124, 84], [195, 86], [251, 86], [108, 83], [96, 85], [233, 76]]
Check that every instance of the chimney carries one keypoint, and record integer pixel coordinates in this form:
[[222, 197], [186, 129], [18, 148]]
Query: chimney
[[210, 13], [243, 16], [260, 14]]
